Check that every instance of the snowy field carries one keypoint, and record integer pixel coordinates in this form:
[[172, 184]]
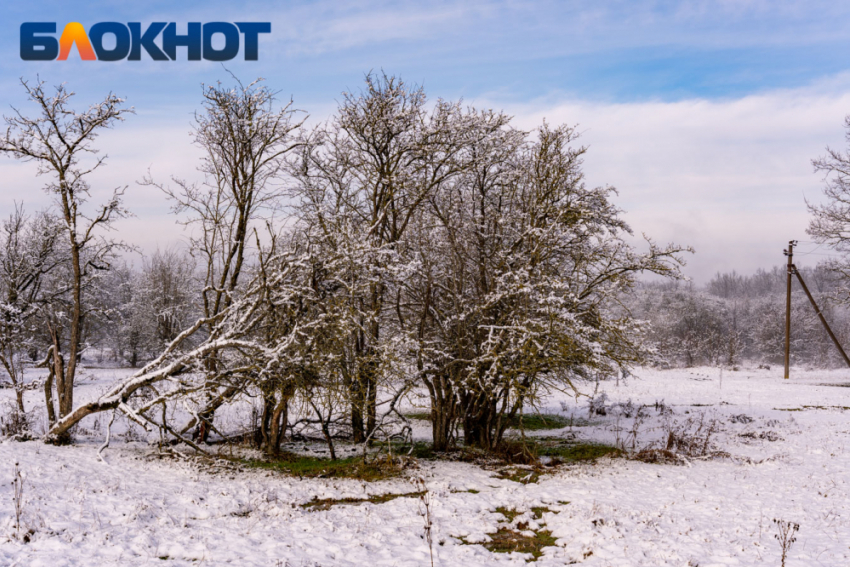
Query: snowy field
[[787, 458]]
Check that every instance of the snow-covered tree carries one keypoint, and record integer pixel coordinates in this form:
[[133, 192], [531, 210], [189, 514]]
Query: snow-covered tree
[[60, 141], [364, 177], [522, 269], [153, 305], [28, 252]]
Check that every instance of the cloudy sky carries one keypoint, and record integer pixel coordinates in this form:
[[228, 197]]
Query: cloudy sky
[[705, 115]]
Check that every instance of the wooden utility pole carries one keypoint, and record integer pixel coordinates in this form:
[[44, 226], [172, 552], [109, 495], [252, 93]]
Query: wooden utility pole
[[790, 254], [792, 270]]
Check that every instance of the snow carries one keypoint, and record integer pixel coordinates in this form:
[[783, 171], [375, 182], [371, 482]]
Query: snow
[[142, 509]]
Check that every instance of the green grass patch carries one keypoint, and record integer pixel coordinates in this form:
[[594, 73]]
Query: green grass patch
[[506, 540], [538, 511], [522, 476], [326, 503], [313, 467], [576, 452], [540, 421], [509, 514], [529, 421], [420, 415], [421, 450]]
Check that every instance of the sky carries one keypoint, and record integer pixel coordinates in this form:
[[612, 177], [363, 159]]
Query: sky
[[705, 115]]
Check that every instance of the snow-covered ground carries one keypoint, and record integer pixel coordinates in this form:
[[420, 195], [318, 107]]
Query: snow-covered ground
[[140, 509]]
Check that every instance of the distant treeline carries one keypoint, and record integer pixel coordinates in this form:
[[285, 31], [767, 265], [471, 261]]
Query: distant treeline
[[741, 318]]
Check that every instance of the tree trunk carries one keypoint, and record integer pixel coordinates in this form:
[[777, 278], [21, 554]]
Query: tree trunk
[[443, 411], [59, 374], [19, 395], [278, 430], [480, 422], [357, 394], [371, 394], [16, 378], [204, 428], [66, 401], [358, 429], [48, 396], [274, 420]]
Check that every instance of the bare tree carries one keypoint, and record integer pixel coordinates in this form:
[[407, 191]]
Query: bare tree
[[245, 139], [831, 220], [830, 223], [58, 139]]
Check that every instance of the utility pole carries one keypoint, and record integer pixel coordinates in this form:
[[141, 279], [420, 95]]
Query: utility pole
[[793, 271], [790, 254]]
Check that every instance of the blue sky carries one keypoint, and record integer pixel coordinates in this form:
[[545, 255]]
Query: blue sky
[[614, 51], [704, 114]]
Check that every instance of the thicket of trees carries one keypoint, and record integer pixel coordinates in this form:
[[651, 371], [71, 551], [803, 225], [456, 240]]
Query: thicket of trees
[[402, 244]]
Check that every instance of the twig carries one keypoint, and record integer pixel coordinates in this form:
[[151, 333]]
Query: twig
[[106, 442], [18, 496], [425, 512]]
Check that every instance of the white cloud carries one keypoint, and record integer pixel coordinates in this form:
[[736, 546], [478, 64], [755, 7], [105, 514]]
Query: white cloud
[[727, 177]]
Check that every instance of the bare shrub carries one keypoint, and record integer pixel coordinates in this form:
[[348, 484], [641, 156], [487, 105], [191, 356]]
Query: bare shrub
[[517, 452], [15, 423], [741, 418], [763, 435], [597, 406], [786, 536], [663, 409], [659, 457], [627, 409], [630, 442], [692, 438], [132, 434]]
